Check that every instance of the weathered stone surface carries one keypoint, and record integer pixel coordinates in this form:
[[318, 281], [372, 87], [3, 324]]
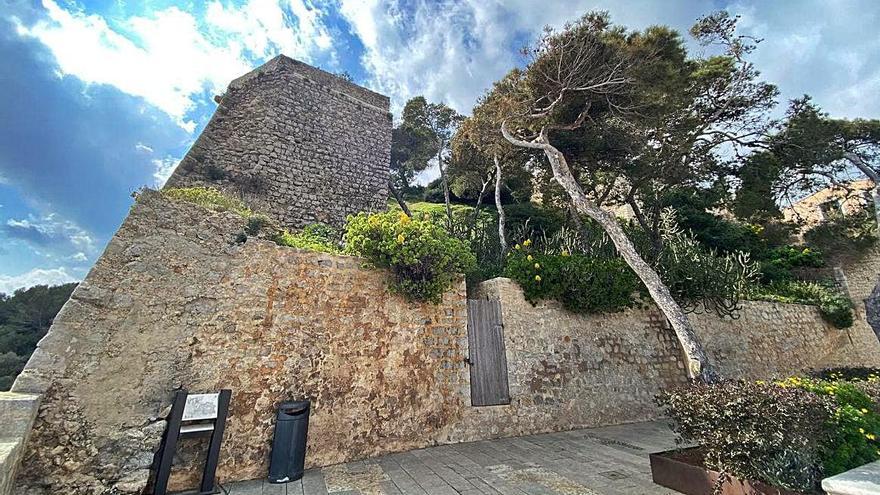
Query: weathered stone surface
[[863, 480], [297, 143], [17, 412], [193, 309], [569, 371]]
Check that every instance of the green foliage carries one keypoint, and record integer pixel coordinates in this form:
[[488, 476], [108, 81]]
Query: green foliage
[[256, 223], [583, 284], [778, 262], [315, 237], [692, 212], [790, 433], [845, 234], [835, 307], [854, 426], [848, 373], [754, 430], [25, 318], [701, 278], [208, 197], [424, 259]]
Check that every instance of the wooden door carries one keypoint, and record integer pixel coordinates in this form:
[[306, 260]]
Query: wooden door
[[488, 368]]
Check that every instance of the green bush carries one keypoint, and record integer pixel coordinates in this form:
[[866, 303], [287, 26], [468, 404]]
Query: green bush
[[315, 237], [583, 284], [208, 197], [424, 259], [853, 429], [835, 307], [848, 373], [699, 278], [779, 262], [754, 430], [790, 433]]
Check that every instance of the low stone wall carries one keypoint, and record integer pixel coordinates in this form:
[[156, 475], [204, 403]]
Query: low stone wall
[[772, 339], [567, 371]]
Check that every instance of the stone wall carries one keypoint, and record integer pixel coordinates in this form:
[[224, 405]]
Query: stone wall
[[174, 302], [297, 143], [568, 371], [772, 339]]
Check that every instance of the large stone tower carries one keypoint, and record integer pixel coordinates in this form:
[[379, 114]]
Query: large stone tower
[[297, 143], [291, 141]]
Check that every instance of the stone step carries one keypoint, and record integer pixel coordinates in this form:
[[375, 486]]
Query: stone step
[[10, 451], [17, 414]]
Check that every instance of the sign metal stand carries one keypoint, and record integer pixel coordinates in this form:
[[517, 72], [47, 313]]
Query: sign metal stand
[[196, 415]]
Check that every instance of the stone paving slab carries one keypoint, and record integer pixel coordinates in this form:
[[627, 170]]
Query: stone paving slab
[[611, 460]]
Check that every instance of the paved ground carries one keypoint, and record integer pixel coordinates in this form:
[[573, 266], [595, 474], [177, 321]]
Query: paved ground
[[611, 460]]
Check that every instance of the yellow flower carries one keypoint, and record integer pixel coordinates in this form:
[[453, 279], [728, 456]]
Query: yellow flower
[[400, 238], [403, 218], [529, 257], [863, 411], [870, 436], [517, 247], [760, 382], [527, 242], [537, 278], [565, 253], [861, 430], [537, 266]]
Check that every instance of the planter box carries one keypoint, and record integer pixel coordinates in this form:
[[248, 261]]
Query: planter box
[[682, 470]]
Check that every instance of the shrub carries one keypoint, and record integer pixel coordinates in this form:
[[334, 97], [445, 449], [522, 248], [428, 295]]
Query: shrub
[[848, 373], [779, 262], [583, 284], [700, 279], [256, 223], [835, 307], [424, 259], [790, 433], [208, 197], [853, 428], [754, 430], [315, 237]]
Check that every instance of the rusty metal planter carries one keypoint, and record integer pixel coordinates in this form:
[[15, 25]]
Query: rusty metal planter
[[678, 469]]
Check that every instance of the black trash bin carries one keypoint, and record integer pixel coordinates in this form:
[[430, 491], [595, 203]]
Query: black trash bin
[[289, 445]]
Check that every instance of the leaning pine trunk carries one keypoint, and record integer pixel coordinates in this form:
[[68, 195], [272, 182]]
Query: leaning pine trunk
[[501, 219], [445, 188], [399, 198], [698, 367], [866, 169]]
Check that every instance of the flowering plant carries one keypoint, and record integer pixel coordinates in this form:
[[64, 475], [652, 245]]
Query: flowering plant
[[423, 258]]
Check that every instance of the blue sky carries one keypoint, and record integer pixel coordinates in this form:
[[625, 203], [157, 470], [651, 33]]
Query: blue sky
[[98, 99]]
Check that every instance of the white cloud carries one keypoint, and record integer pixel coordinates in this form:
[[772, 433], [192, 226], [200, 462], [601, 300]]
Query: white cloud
[[163, 168], [143, 147], [167, 58], [79, 257], [453, 51], [49, 232], [263, 29], [37, 276], [826, 49]]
